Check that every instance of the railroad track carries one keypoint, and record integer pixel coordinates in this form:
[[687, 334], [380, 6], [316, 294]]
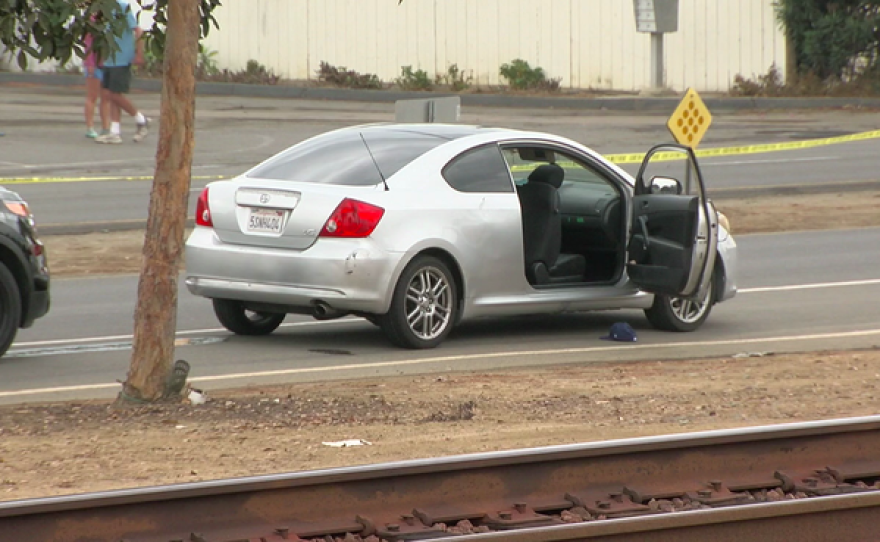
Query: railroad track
[[807, 481]]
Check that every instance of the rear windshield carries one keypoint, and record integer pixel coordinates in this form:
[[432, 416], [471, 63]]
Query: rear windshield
[[343, 158]]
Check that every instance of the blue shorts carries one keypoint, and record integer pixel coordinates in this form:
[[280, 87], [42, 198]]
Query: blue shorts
[[93, 73]]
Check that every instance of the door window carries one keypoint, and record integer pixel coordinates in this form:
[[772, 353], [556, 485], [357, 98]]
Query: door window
[[590, 205]]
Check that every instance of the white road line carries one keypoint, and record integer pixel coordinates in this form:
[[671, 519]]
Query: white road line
[[108, 338], [809, 286], [463, 357], [706, 163]]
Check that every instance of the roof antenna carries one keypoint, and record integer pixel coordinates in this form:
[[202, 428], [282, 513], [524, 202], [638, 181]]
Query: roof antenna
[[373, 158]]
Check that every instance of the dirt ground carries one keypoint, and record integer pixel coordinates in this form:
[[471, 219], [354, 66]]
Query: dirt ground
[[74, 447]]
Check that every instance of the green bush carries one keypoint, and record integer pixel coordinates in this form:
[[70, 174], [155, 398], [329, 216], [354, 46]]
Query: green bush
[[254, 73], [835, 41], [521, 76], [454, 78], [343, 77], [413, 80]]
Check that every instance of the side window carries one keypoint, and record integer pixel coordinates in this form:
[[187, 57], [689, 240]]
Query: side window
[[479, 170], [522, 160]]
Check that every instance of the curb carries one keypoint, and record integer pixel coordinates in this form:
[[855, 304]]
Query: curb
[[598, 103]]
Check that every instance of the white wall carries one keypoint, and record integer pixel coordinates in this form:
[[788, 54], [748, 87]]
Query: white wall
[[588, 43]]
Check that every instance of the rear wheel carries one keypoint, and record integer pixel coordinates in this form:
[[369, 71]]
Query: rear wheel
[[424, 305], [678, 314], [10, 309], [236, 318]]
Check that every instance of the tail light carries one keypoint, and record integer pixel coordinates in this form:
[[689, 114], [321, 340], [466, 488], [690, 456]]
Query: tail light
[[19, 208], [203, 212], [352, 218]]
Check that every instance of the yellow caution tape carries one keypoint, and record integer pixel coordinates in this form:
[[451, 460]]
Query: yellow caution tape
[[627, 158], [635, 158], [36, 180]]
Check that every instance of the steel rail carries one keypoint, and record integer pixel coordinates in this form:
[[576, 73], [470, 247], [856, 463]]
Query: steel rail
[[508, 490]]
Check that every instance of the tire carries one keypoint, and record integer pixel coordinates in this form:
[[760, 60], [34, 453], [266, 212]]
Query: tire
[[424, 306], [677, 314], [10, 309], [234, 317]]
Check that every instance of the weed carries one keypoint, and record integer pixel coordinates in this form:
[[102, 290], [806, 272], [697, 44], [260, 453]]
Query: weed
[[343, 77], [769, 84], [413, 80], [454, 78], [521, 76], [207, 65]]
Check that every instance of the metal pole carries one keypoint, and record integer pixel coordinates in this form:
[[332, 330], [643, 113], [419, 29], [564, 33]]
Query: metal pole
[[657, 70]]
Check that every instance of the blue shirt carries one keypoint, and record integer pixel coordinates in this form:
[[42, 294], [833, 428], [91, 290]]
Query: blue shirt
[[126, 42]]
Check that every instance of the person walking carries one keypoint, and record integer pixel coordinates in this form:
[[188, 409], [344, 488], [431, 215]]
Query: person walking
[[93, 88], [117, 80]]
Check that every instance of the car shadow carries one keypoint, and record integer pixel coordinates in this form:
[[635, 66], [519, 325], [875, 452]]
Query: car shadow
[[354, 336]]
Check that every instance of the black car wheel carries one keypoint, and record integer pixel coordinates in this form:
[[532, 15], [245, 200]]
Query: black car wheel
[[10, 309], [424, 306], [237, 319], [679, 314]]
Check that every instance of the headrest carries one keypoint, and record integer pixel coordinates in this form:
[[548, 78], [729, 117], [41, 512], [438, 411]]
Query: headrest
[[551, 174]]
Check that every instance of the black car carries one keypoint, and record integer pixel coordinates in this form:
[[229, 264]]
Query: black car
[[24, 270]]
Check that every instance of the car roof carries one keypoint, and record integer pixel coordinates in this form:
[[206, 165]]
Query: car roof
[[442, 131]]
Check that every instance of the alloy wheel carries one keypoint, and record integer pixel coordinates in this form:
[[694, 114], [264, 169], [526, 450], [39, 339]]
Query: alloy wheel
[[429, 303], [689, 310]]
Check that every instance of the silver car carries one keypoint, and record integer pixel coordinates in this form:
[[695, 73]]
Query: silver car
[[416, 227]]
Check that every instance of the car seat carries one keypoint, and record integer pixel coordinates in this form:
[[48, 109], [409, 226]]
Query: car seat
[[542, 230]]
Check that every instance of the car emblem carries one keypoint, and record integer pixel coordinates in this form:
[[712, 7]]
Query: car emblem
[[264, 198]]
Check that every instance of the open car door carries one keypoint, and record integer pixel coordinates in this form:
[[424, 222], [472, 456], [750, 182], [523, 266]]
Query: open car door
[[674, 230]]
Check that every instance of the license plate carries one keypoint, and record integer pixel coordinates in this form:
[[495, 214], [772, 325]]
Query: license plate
[[265, 220]]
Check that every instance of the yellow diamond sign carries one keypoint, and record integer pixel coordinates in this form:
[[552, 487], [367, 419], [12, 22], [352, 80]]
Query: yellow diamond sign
[[690, 120]]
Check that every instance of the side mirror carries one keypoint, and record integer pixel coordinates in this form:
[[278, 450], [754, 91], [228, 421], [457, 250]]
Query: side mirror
[[665, 185]]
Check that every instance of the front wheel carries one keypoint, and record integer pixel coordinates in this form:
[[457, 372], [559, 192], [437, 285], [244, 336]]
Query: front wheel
[[424, 305], [237, 319], [679, 314], [10, 309]]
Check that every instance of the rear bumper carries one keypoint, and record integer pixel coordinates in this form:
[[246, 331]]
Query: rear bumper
[[346, 274]]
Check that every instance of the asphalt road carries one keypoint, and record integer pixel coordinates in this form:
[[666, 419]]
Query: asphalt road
[[790, 300], [799, 292], [44, 142]]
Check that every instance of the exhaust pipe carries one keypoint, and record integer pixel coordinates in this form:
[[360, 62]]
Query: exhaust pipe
[[323, 311]]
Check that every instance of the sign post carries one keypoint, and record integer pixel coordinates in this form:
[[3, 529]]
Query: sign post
[[656, 17]]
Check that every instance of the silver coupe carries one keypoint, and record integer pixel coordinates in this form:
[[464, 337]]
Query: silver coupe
[[416, 227]]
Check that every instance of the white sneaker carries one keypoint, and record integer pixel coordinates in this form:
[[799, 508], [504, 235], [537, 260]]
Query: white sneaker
[[112, 139], [142, 130]]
